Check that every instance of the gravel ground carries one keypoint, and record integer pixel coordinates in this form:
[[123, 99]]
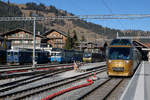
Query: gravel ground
[[48, 80], [12, 79], [44, 94], [44, 81], [60, 76], [92, 65], [75, 94]]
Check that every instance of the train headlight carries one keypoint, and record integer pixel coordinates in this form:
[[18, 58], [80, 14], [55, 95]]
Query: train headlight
[[109, 61], [127, 61]]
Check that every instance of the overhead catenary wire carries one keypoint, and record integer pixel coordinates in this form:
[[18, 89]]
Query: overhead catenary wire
[[105, 4], [113, 16]]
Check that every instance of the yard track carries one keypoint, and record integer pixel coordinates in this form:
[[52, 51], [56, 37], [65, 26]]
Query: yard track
[[21, 94], [102, 91]]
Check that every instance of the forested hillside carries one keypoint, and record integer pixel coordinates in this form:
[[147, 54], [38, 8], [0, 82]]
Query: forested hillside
[[82, 28]]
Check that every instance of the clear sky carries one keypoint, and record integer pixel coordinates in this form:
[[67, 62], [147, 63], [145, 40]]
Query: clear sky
[[95, 7]]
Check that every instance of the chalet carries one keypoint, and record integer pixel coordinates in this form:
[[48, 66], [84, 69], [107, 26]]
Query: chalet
[[22, 38], [57, 38]]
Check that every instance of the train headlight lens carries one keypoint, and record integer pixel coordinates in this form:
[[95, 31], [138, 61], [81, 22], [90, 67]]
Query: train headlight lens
[[109, 61], [127, 61]]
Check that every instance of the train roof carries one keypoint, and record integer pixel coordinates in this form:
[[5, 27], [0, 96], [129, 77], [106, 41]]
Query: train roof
[[24, 49], [128, 46], [121, 42]]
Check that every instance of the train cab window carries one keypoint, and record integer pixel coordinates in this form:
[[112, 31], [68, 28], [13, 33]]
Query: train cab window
[[119, 53], [87, 55], [53, 54], [9, 53], [58, 54]]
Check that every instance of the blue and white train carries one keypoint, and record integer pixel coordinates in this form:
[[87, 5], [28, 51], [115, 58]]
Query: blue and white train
[[22, 56], [65, 56]]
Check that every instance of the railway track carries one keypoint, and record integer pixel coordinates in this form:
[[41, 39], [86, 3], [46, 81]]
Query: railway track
[[102, 91], [10, 85], [24, 66], [40, 88]]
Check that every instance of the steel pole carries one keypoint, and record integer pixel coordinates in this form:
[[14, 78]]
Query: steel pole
[[34, 42]]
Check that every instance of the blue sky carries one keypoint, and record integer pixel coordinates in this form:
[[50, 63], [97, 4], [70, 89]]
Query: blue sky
[[95, 7]]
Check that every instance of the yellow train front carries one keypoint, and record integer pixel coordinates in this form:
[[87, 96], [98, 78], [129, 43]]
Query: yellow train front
[[92, 57], [122, 60]]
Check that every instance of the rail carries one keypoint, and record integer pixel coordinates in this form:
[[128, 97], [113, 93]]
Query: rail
[[31, 68]]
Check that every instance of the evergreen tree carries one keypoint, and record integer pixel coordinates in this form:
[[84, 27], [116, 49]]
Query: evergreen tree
[[83, 38], [68, 42], [74, 39]]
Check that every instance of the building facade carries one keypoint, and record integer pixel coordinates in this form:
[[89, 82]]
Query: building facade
[[91, 46], [20, 38], [56, 38]]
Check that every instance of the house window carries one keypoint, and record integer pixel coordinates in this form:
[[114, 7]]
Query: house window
[[26, 35], [60, 41], [54, 35], [60, 45], [30, 42], [16, 41], [25, 41]]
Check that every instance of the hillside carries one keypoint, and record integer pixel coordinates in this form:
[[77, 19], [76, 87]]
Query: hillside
[[87, 29]]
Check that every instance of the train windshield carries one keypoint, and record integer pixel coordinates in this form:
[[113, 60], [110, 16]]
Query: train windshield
[[119, 53], [87, 55], [10, 53], [53, 54], [58, 54]]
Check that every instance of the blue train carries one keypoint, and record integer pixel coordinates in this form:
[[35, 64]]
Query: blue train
[[65, 56], [22, 56], [77, 56]]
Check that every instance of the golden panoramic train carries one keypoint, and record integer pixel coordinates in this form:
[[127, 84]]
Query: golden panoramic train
[[122, 58]]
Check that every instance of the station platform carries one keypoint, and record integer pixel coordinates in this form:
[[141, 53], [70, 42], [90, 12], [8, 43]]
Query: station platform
[[139, 85]]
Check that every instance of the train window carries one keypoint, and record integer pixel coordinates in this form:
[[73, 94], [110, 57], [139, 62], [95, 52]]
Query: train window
[[58, 54], [53, 54], [8, 53], [87, 55], [119, 53]]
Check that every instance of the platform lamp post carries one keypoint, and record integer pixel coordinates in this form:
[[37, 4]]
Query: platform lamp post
[[34, 43]]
